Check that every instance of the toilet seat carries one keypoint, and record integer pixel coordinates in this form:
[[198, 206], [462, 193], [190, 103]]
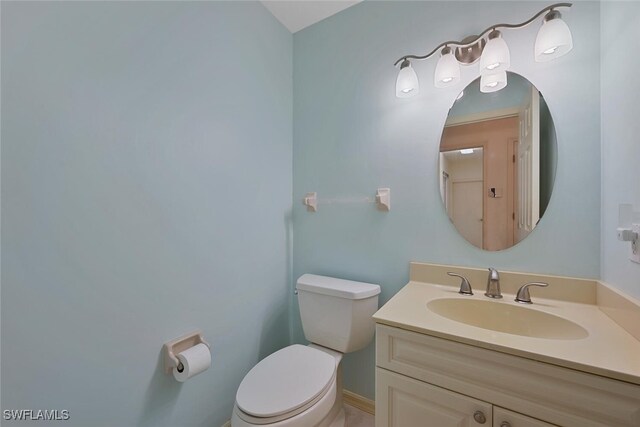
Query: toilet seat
[[307, 416], [284, 384]]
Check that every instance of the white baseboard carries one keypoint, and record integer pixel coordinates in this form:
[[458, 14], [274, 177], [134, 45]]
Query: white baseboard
[[352, 399]]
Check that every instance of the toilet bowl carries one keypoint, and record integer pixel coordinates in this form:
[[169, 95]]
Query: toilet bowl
[[301, 386]]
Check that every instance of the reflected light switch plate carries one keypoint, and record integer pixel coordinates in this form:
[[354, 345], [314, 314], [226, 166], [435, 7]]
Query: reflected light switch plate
[[495, 192], [634, 255]]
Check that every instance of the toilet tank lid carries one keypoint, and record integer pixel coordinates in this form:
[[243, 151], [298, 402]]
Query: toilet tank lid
[[336, 287]]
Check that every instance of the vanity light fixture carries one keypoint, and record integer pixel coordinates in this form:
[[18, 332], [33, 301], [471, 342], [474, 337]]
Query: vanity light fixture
[[495, 56], [493, 82], [466, 151], [554, 38], [407, 83], [553, 41], [447, 69]]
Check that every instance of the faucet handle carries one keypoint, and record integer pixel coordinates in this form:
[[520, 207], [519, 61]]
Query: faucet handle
[[465, 286], [523, 295]]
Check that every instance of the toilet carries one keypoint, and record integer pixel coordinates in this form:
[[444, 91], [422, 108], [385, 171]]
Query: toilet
[[301, 386]]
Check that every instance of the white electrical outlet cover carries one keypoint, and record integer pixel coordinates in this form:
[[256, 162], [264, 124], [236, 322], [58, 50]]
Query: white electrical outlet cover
[[634, 255]]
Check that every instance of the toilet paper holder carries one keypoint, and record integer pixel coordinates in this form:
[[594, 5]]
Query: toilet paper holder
[[170, 349]]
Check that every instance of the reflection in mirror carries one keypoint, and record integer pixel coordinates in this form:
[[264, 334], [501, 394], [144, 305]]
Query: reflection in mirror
[[497, 163]]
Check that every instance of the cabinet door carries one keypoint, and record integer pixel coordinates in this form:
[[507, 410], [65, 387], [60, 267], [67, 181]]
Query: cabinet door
[[505, 418], [404, 402]]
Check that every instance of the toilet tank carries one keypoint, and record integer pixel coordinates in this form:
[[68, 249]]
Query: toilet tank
[[336, 313]]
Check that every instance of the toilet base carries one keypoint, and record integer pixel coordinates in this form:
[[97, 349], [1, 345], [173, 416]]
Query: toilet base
[[339, 420]]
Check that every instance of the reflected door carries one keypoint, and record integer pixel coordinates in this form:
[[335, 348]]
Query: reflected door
[[528, 169], [466, 206]]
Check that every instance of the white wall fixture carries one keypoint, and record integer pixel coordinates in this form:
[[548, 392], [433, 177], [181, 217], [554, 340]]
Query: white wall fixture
[[629, 229], [383, 199], [553, 41], [311, 202], [186, 356]]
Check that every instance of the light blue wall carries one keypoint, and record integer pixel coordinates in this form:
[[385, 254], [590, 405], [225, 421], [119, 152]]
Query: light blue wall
[[352, 135], [620, 137], [146, 192]]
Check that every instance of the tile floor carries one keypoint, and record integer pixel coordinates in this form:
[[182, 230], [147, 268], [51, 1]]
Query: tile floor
[[357, 418]]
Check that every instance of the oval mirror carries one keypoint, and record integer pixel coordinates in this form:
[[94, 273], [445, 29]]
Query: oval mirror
[[497, 162]]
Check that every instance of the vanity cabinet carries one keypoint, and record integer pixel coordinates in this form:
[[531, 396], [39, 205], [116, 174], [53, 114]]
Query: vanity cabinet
[[423, 380], [413, 403], [407, 402]]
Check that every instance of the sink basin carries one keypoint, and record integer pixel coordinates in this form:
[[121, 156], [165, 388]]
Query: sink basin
[[507, 318]]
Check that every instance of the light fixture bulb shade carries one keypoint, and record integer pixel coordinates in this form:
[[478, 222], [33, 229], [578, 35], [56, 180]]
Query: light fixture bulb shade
[[553, 40], [495, 57], [493, 82], [447, 71], [407, 84]]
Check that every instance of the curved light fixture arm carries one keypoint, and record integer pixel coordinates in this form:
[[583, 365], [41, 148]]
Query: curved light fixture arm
[[482, 34]]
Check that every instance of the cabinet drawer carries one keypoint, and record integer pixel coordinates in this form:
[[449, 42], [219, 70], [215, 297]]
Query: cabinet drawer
[[557, 395], [505, 418], [405, 402]]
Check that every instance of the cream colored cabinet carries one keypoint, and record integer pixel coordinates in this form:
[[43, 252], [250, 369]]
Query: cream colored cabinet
[[407, 402], [505, 418], [404, 402], [424, 381]]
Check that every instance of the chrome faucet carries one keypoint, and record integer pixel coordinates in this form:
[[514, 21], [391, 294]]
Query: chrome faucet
[[493, 284]]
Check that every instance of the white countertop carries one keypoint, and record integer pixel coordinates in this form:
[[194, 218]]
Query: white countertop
[[608, 350]]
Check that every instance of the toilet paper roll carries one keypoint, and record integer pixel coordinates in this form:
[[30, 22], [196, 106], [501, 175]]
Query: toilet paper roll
[[194, 360]]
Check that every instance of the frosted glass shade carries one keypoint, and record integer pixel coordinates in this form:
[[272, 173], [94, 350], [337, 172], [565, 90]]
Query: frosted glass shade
[[493, 82], [495, 56], [407, 84], [553, 40], [447, 70]]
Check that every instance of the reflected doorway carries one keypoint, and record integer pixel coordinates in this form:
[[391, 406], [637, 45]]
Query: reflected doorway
[[492, 163], [462, 186]]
